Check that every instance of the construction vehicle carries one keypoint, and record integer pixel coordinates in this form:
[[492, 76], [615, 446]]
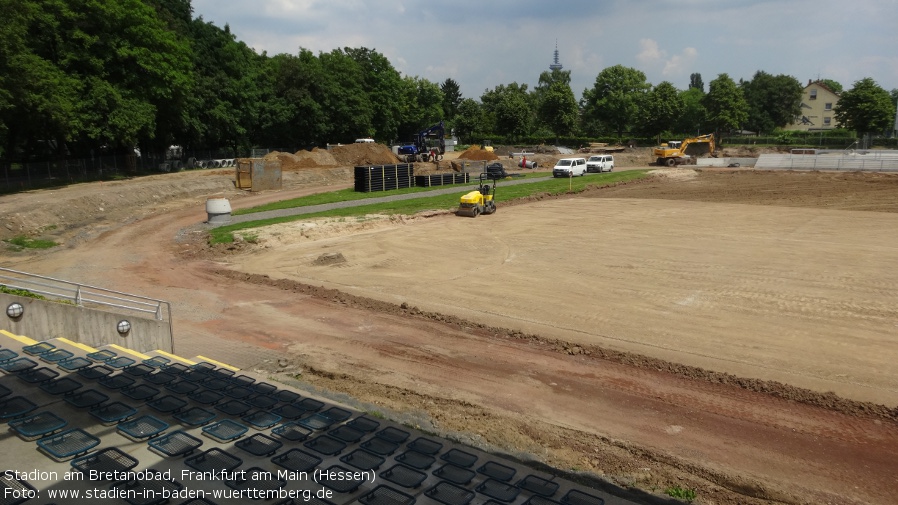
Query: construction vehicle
[[427, 145], [481, 200], [674, 152]]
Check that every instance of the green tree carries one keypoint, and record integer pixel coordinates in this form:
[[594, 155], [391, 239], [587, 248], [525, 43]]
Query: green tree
[[725, 104], [469, 122], [293, 91], [617, 97], [382, 83], [866, 108], [350, 113], [508, 109], [423, 105], [833, 86], [773, 101], [558, 109], [451, 98], [694, 115], [695, 82], [38, 99], [224, 104], [101, 73], [662, 109]]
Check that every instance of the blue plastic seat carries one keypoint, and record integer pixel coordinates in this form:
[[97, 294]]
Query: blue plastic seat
[[95, 372], [225, 430], [38, 348], [17, 365], [292, 431], [177, 443], [262, 419], [259, 445], [450, 494], [296, 460], [63, 386], [195, 416], [38, 375], [119, 362], [74, 363], [38, 425], [498, 490], [538, 485], [214, 460], [7, 354], [363, 460], [168, 404], [86, 399], [114, 412], [14, 407], [326, 445], [56, 355], [157, 361], [105, 461], [576, 497], [68, 443], [143, 427], [104, 355], [385, 495]]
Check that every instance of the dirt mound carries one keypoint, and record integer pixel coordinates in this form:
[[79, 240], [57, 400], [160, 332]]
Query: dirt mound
[[476, 154], [304, 159], [364, 154]]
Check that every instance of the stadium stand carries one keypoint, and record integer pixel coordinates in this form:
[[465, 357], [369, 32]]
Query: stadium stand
[[153, 427]]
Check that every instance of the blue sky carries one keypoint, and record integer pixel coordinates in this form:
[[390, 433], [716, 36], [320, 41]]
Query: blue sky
[[484, 43]]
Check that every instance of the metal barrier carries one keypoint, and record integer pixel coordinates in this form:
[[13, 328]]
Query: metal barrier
[[85, 295]]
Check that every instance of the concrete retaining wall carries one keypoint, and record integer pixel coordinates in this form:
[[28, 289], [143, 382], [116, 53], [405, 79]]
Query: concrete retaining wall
[[43, 320], [848, 162], [725, 162]]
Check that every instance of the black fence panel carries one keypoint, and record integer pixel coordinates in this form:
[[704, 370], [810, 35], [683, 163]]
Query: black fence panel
[[426, 181], [372, 178]]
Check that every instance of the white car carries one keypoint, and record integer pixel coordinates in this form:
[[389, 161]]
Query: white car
[[600, 163], [364, 141], [569, 167]]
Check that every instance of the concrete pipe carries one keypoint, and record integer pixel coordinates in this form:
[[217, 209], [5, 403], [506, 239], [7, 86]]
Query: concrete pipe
[[218, 210], [527, 164]]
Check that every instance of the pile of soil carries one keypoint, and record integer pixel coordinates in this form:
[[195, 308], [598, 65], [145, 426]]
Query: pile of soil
[[363, 154], [303, 159], [476, 154]]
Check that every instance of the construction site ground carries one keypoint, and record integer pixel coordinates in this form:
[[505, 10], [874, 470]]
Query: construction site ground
[[729, 332]]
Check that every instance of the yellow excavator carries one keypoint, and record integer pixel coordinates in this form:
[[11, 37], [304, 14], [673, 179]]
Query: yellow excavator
[[674, 152], [481, 200]]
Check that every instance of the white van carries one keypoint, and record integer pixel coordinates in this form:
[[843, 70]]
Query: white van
[[600, 163], [569, 167]]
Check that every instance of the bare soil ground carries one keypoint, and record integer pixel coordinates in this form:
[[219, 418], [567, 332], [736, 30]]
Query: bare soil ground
[[652, 334]]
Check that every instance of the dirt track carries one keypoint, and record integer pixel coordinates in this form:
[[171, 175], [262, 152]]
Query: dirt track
[[635, 425]]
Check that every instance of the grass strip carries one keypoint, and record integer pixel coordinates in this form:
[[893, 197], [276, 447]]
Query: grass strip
[[225, 234]]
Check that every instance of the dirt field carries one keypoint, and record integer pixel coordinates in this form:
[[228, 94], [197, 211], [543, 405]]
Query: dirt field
[[652, 334]]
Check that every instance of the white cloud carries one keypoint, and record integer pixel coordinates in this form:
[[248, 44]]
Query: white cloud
[[650, 52], [485, 44], [679, 64]]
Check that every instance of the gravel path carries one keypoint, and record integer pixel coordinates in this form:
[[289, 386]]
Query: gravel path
[[311, 209]]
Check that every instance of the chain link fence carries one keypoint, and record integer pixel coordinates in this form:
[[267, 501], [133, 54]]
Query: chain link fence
[[41, 174]]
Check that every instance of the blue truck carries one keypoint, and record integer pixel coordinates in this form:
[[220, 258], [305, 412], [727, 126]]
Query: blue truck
[[427, 145]]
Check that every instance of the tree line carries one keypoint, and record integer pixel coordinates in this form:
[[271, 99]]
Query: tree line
[[84, 77]]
